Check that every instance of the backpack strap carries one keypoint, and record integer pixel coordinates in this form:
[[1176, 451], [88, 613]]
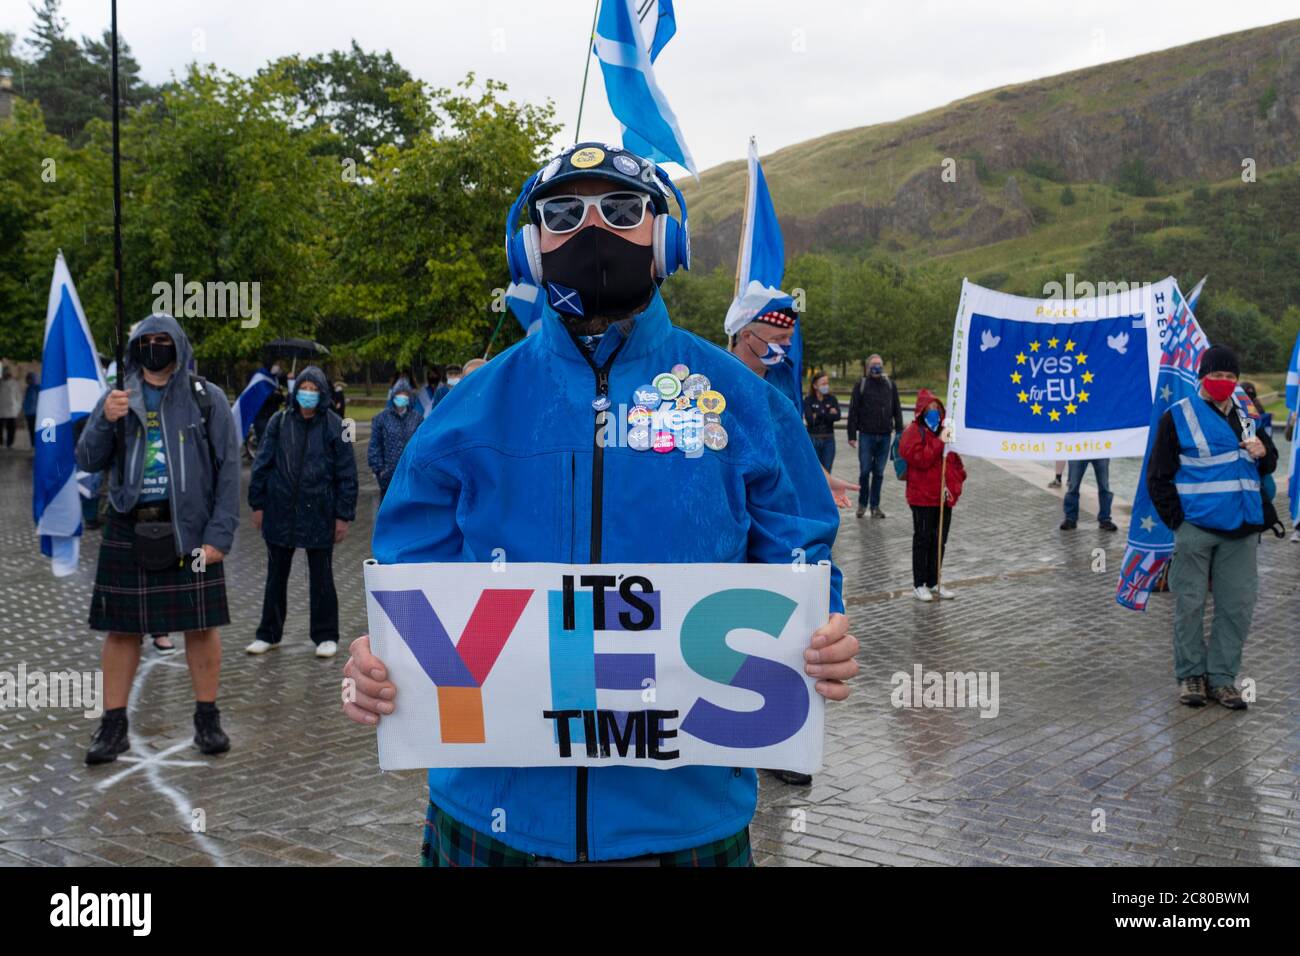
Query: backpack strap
[[203, 399]]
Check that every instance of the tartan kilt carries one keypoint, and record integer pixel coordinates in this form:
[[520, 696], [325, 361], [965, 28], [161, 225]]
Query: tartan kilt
[[448, 842], [131, 600]]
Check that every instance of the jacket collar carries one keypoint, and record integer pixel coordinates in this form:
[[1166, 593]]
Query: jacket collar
[[646, 331]]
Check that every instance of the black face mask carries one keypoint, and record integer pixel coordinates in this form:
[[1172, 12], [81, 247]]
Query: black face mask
[[610, 274], [155, 357]]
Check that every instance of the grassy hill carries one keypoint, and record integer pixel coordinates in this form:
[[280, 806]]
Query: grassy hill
[[1107, 139]]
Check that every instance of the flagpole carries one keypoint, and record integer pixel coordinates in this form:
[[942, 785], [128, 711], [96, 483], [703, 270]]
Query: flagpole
[[591, 42], [943, 495], [119, 326], [744, 215]]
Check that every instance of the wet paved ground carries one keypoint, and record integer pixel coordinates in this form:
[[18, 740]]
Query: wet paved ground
[[1087, 729]]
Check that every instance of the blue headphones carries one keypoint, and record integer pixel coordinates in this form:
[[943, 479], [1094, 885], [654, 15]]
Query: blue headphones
[[671, 241]]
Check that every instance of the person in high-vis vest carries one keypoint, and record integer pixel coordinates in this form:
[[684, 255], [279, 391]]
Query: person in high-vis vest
[[1204, 478]]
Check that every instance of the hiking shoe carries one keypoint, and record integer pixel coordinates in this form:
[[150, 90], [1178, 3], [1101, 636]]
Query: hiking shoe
[[259, 646], [922, 594], [1068, 525], [109, 740], [861, 512], [208, 735], [1191, 691], [793, 778], [877, 513], [1107, 525], [1055, 482], [1228, 696]]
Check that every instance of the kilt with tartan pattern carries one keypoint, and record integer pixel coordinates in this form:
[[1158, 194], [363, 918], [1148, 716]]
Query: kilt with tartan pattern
[[131, 600], [447, 842]]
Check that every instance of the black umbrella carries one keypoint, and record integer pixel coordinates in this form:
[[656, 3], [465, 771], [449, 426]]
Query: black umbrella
[[293, 349]]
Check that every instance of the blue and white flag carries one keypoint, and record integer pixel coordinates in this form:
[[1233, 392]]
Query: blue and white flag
[[1293, 405], [665, 28], [1194, 296], [250, 401], [650, 126], [526, 303], [71, 383], [1058, 378], [1150, 541], [1293, 378], [760, 269]]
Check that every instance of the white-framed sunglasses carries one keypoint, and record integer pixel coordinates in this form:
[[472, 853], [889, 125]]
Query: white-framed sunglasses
[[620, 210]]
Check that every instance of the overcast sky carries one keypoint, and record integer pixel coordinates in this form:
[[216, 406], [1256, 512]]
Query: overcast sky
[[784, 70]]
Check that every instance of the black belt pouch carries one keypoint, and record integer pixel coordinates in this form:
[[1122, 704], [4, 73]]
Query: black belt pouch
[[155, 545]]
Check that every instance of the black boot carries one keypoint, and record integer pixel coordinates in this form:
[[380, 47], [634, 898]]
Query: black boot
[[110, 738], [208, 735]]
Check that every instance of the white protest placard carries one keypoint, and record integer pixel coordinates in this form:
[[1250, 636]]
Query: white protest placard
[[647, 665]]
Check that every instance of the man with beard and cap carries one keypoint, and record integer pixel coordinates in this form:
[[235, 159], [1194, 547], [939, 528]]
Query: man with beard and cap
[[173, 511], [544, 479], [1204, 477], [303, 494]]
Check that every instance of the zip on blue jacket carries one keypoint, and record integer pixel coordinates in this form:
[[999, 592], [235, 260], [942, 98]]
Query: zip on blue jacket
[[509, 459]]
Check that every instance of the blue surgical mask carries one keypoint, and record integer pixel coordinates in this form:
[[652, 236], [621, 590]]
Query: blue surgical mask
[[932, 419], [877, 370], [401, 401], [307, 399], [824, 389]]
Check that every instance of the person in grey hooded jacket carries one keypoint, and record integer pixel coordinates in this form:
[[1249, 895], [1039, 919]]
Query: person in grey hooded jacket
[[171, 520]]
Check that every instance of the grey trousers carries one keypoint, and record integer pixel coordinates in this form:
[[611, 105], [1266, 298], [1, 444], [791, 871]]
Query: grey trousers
[[1198, 554]]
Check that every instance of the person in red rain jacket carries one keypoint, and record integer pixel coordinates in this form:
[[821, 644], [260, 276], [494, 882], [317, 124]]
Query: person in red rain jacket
[[922, 448]]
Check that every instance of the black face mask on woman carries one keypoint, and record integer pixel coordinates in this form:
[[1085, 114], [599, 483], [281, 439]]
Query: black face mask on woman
[[611, 275], [155, 356]]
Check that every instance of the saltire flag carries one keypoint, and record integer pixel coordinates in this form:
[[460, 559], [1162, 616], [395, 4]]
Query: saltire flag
[[71, 384], [760, 270], [1293, 406], [1293, 378], [1150, 541], [665, 26], [526, 304], [250, 401], [650, 126], [1194, 296], [1059, 378]]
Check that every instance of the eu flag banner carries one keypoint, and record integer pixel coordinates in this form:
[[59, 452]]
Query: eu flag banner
[[1150, 542], [71, 383], [1057, 379]]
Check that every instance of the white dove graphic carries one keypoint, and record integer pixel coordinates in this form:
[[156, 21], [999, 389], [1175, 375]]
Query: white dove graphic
[[1118, 342], [988, 341]]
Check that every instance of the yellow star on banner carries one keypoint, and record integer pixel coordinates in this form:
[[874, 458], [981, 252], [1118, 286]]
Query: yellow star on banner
[[1036, 408], [1083, 359], [1087, 376], [1071, 408], [1023, 396], [1083, 396], [1054, 415], [1051, 343], [1069, 345], [1020, 358], [1015, 377], [1033, 346]]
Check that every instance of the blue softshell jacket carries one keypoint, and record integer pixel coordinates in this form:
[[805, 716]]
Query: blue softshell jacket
[[509, 459]]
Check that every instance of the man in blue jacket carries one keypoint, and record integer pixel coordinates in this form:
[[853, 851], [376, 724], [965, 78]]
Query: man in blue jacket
[[513, 458]]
